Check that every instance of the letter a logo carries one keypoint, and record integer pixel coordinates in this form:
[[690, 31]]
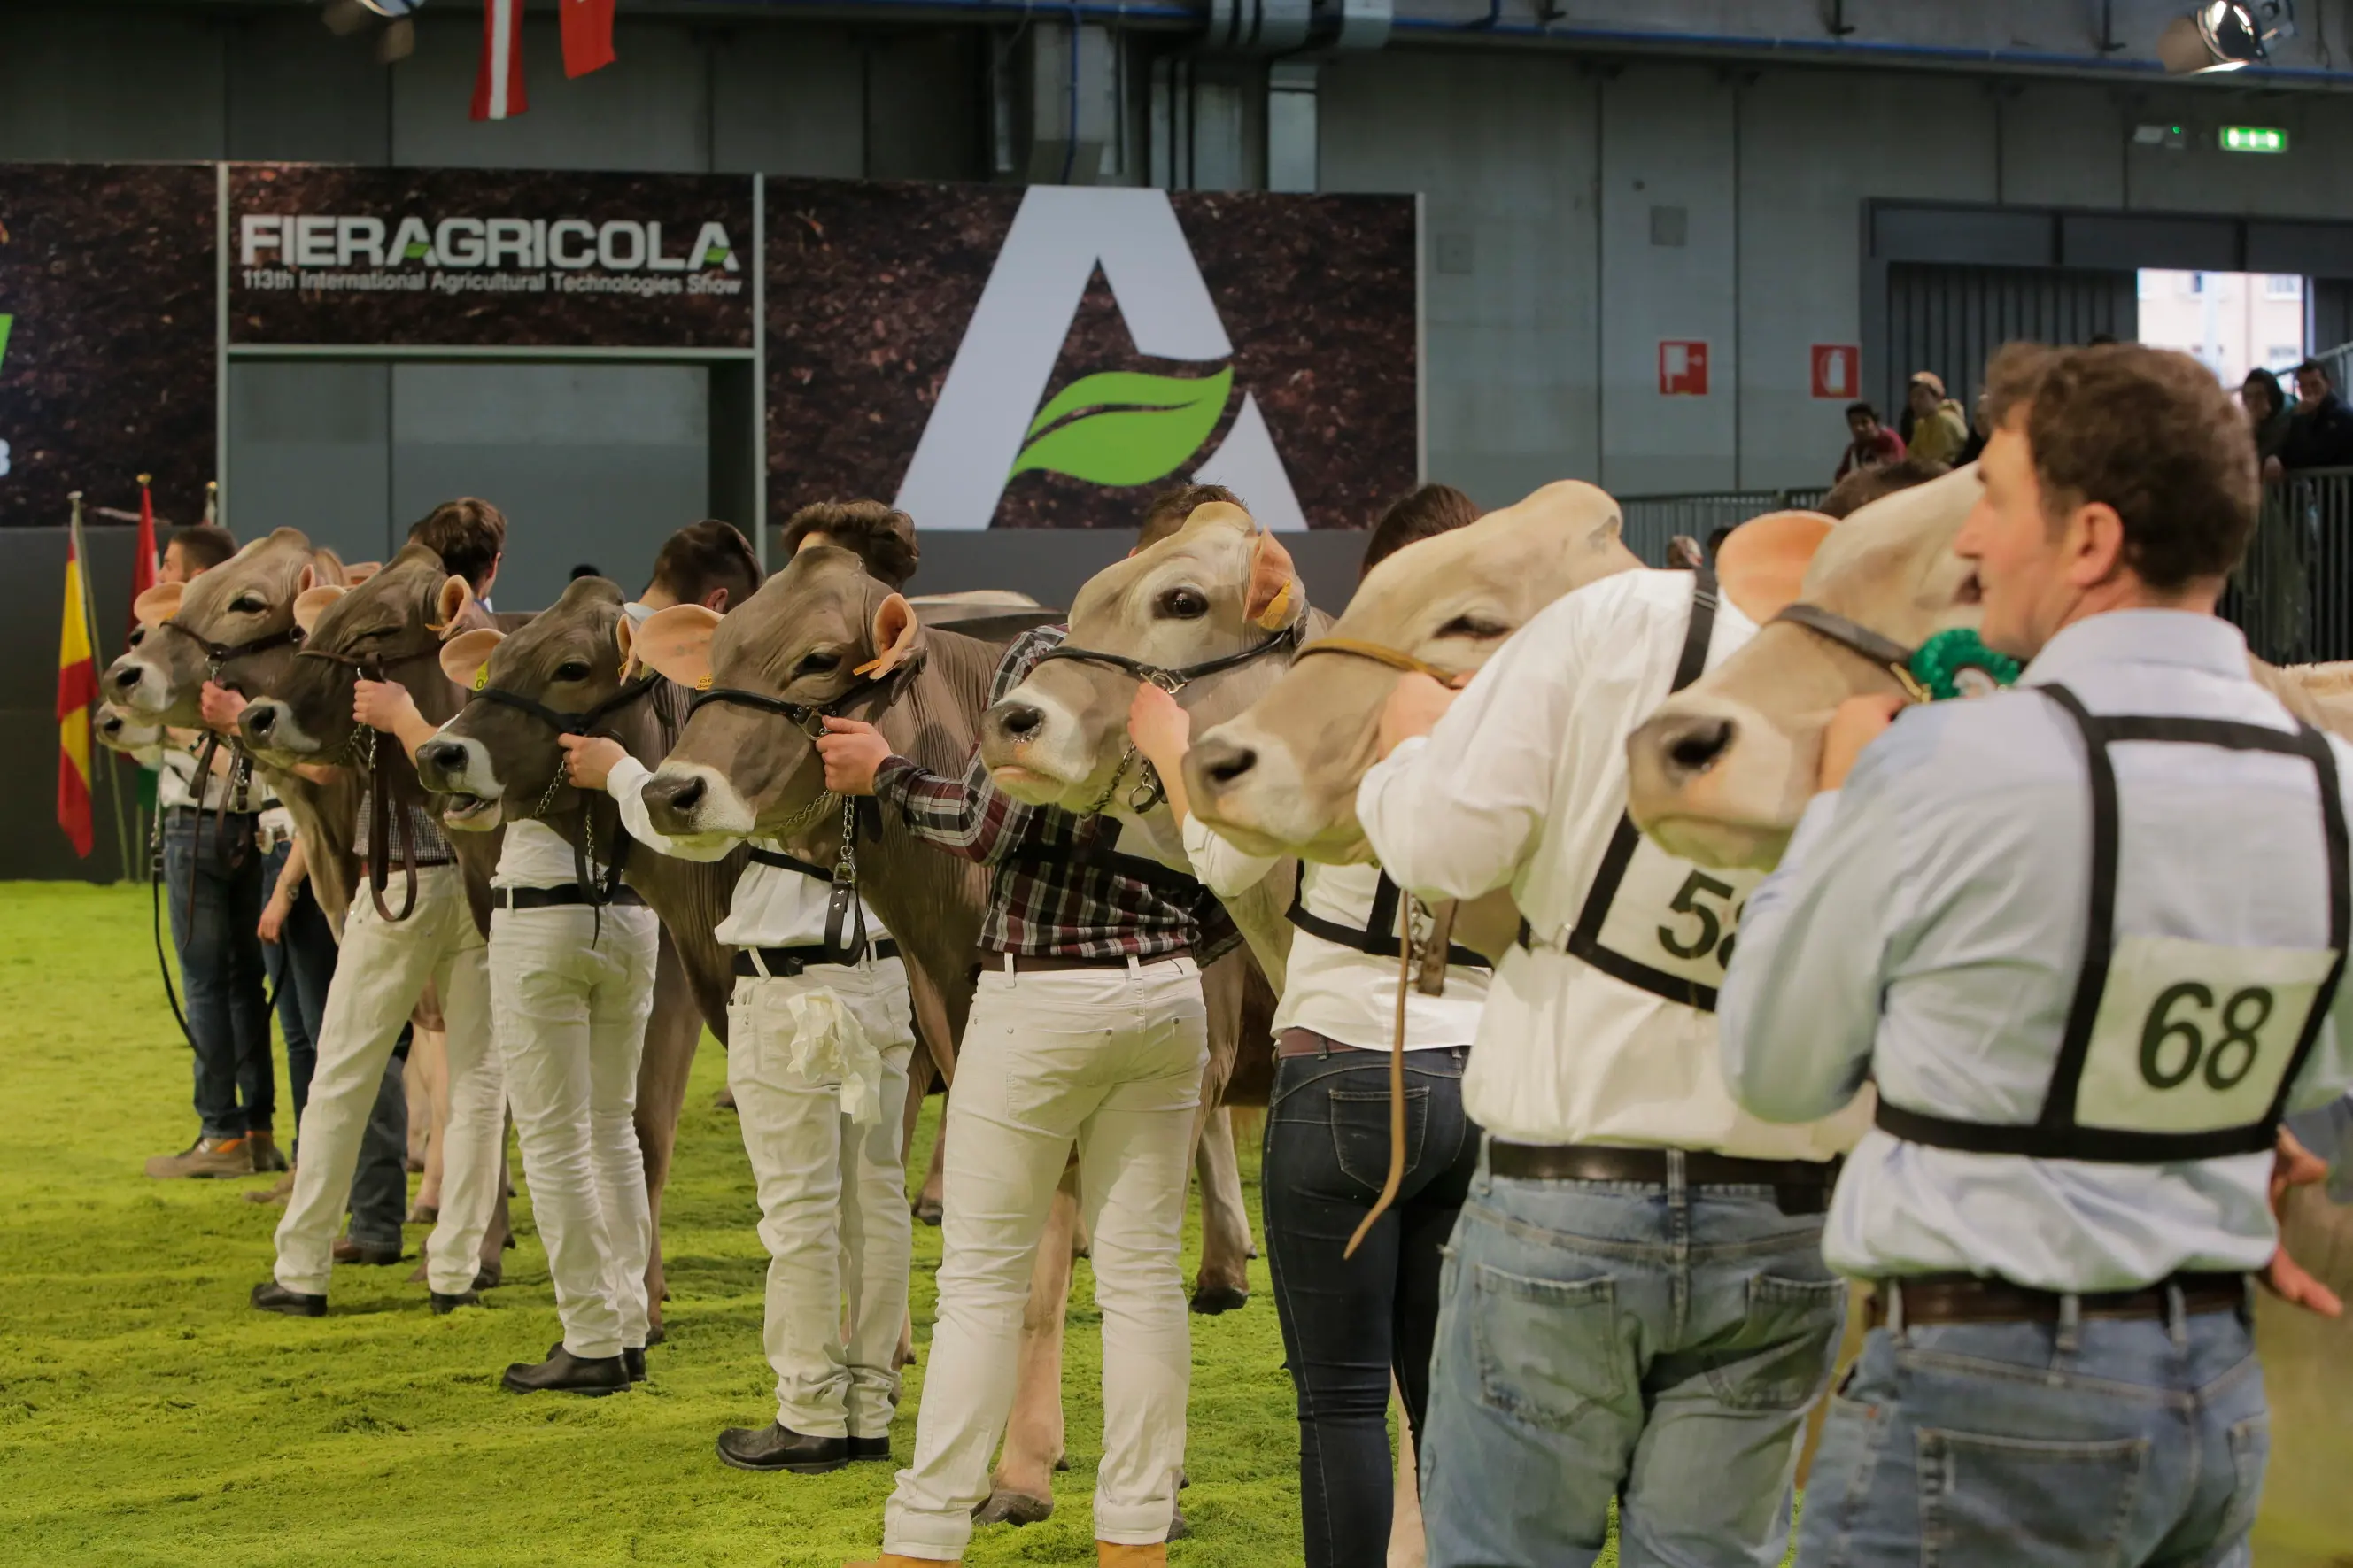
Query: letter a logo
[[1111, 428]]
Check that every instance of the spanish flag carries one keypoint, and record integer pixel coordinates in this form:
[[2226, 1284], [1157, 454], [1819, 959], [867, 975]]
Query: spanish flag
[[77, 695]]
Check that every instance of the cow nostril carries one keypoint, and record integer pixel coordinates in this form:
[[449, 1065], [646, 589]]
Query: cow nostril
[[1019, 719], [447, 755], [1699, 745], [1226, 769], [686, 794], [126, 679], [259, 719]]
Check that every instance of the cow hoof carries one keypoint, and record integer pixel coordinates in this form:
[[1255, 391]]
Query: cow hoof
[[927, 1210], [1005, 1506], [1211, 1299], [654, 1334], [1063, 1463], [1177, 1529]]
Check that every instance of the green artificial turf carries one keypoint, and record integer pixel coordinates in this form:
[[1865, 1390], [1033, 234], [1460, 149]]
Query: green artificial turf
[[149, 1416]]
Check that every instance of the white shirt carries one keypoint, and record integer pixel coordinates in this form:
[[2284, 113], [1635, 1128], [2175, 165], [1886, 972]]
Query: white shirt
[[1523, 783], [1927, 927], [534, 855], [774, 905], [175, 779], [1334, 989]]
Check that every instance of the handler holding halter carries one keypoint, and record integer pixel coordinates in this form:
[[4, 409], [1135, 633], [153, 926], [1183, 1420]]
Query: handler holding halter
[[1635, 1306], [2087, 937]]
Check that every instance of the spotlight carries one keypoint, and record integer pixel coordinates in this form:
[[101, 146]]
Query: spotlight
[[2223, 35]]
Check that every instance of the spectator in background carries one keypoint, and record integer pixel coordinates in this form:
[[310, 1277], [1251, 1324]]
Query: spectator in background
[[1873, 445], [1684, 554], [585, 570], [1863, 486], [2271, 593], [1166, 512], [2269, 418], [1939, 429], [2321, 433], [192, 552], [1716, 541], [1424, 513]]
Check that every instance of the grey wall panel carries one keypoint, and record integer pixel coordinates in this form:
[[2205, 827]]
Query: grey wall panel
[[309, 449], [299, 94], [925, 106], [33, 561], [1504, 153], [591, 463], [789, 101], [1949, 319], [650, 112], [2062, 145], [2316, 250], [2189, 244], [97, 85], [2313, 178], [1813, 149], [1973, 235]]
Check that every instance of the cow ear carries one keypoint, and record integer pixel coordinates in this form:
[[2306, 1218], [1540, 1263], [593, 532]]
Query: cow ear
[[1274, 598], [358, 572], [625, 637], [311, 603], [898, 637], [1762, 563], [451, 603], [466, 657], [158, 604], [676, 643]]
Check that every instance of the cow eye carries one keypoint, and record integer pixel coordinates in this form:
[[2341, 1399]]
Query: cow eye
[[572, 669], [249, 605], [138, 635], [1477, 627], [818, 663], [1184, 604]]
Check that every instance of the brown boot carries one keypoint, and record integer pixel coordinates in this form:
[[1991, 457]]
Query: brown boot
[[1111, 1554], [206, 1157], [267, 1159]]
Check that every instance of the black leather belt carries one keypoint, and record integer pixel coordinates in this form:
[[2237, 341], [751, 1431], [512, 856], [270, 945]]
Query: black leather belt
[[791, 961], [1800, 1186], [1968, 1299], [554, 898]]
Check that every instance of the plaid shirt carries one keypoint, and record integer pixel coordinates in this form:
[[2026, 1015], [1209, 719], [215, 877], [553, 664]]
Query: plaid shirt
[[1041, 902]]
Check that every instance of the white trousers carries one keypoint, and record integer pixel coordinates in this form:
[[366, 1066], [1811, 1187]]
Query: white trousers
[[1112, 1059], [568, 1009], [380, 972], [833, 1195]]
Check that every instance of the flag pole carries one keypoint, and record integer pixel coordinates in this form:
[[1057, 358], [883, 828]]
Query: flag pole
[[89, 622]]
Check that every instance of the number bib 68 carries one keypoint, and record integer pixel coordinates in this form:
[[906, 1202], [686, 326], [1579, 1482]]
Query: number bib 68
[[1674, 916], [2192, 1037]]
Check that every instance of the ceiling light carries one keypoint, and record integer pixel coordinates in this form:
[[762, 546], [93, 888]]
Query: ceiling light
[[2223, 36]]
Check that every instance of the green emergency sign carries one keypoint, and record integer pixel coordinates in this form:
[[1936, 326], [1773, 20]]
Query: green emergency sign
[[2254, 138]]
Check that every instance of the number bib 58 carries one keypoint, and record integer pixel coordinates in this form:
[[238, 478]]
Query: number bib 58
[[2192, 1037], [1674, 916]]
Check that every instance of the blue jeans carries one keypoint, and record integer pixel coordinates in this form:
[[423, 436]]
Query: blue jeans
[[221, 967], [1658, 1344], [2001, 1446], [1349, 1324]]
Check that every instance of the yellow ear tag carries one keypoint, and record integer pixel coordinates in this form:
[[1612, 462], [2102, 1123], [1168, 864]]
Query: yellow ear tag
[[870, 666], [703, 684], [482, 677], [1278, 609]]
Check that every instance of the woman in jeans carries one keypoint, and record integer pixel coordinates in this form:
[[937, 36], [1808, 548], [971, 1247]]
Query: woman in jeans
[[1349, 1324]]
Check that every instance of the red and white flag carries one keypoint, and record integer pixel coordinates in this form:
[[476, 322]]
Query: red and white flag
[[587, 36], [498, 83]]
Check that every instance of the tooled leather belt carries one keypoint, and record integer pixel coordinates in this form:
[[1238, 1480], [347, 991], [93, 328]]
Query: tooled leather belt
[[1968, 1299]]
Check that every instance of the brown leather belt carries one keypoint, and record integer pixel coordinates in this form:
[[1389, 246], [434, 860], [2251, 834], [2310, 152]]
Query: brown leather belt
[[1056, 962], [1800, 1186], [1968, 1299], [1308, 1043]]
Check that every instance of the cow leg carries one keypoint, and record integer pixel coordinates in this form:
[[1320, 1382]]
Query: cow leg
[[931, 1199], [433, 1046], [673, 1030], [1408, 1549], [1224, 1282], [1021, 1491]]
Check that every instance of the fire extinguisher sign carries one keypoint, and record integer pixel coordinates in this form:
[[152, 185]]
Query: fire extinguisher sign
[[1838, 371]]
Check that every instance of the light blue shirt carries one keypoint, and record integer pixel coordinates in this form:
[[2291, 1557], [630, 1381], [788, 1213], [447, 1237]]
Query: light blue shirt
[[1926, 926]]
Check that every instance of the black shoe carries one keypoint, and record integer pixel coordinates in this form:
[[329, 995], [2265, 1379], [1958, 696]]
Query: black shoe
[[269, 1296], [563, 1372], [346, 1250], [635, 1360], [489, 1276], [862, 1449], [779, 1448], [444, 1305]]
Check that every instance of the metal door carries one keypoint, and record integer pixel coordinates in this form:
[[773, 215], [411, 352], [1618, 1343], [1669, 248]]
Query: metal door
[[1951, 320]]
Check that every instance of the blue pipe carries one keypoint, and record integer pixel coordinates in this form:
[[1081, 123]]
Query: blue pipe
[[1088, 10], [1621, 37]]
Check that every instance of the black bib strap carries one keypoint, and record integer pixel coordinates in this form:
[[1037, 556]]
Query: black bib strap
[[1378, 937], [784, 862], [1585, 937], [2057, 1133]]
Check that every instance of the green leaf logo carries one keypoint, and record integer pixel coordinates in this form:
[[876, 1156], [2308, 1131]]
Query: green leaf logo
[[5, 322], [1122, 428], [716, 256], [417, 251]]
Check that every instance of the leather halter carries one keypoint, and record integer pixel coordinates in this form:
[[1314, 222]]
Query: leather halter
[[1172, 679], [217, 654], [381, 775], [1396, 658], [1858, 638], [564, 723]]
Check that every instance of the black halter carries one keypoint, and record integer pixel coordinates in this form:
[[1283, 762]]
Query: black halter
[[1858, 638], [1175, 680], [217, 654], [564, 723], [381, 777]]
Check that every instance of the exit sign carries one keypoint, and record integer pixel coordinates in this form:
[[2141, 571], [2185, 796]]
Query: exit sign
[[2254, 138]]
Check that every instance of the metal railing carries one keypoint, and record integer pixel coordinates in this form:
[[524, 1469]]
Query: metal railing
[[2293, 597]]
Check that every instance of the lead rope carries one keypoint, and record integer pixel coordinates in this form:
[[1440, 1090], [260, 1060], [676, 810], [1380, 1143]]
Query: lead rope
[[1396, 1177]]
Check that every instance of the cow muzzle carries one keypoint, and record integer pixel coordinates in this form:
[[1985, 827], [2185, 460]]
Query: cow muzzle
[[692, 801], [1713, 782], [269, 728], [1250, 787], [1034, 750], [138, 684], [459, 767], [117, 731]]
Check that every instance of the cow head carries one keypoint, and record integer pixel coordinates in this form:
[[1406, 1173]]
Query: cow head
[[394, 622], [1281, 778], [818, 632], [245, 601], [1218, 586], [1721, 771], [498, 763], [118, 730]]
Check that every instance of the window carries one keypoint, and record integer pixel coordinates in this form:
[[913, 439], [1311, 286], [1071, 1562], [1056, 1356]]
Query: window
[[2193, 283], [2148, 277], [2282, 286], [2281, 358]]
